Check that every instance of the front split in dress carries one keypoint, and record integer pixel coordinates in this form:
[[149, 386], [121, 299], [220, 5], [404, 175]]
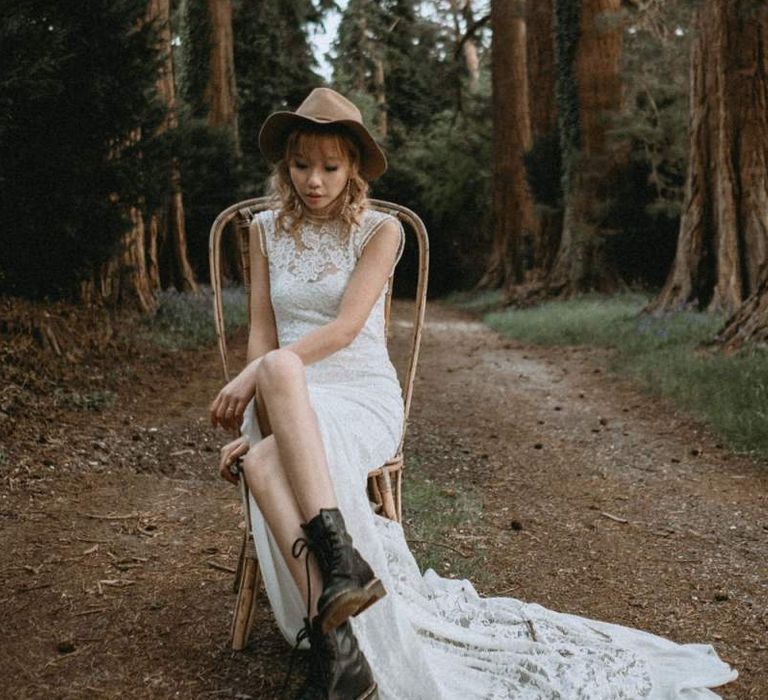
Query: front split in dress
[[432, 638]]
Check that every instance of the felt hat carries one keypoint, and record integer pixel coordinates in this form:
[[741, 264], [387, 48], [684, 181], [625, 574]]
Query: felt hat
[[323, 106]]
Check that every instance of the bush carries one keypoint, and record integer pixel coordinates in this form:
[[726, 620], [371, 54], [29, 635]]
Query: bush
[[185, 320]]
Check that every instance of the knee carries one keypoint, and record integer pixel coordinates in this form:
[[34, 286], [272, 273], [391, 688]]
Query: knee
[[279, 368]]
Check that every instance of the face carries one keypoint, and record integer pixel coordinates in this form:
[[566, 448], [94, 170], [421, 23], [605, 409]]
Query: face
[[319, 171]]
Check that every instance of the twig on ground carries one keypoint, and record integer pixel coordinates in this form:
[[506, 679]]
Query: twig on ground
[[66, 656], [33, 588], [97, 516], [221, 567], [92, 611], [615, 518]]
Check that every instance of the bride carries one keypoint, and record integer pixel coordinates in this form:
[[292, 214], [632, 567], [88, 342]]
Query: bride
[[319, 405]]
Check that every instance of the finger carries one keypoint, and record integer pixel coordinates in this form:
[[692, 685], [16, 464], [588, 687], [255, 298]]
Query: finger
[[214, 410], [227, 475], [224, 414], [224, 470], [240, 411], [230, 417]]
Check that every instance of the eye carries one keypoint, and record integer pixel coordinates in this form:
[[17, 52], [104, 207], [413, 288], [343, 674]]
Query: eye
[[299, 164], [331, 168]]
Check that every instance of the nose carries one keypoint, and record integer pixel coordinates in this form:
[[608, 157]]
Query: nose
[[314, 178]]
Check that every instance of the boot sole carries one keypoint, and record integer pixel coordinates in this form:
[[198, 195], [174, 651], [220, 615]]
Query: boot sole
[[350, 604]]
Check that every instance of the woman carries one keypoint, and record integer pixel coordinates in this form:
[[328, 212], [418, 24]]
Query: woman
[[323, 385]]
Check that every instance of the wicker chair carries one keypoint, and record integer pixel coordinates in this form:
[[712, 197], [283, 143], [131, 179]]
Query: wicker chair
[[385, 482]]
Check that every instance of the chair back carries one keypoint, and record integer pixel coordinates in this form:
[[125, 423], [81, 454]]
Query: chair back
[[241, 214]]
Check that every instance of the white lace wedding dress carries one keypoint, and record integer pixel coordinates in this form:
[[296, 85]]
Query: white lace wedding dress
[[433, 638]]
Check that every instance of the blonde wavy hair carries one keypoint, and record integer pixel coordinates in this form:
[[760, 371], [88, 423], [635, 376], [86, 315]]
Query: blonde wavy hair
[[291, 212]]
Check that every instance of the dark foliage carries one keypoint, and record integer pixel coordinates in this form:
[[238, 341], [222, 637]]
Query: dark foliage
[[72, 93], [274, 65], [543, 165], [211, 181]]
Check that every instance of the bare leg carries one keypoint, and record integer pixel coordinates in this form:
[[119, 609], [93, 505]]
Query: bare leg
[[267, 482], [283, 390]]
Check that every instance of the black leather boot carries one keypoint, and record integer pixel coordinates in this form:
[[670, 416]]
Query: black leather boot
[[337, 668], [349, 584]]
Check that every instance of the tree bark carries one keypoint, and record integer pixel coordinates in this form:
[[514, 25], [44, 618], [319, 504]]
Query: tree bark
[[722, 248], [542, 107], [581, 264], [221, 92], [380, 93], [167, 225], [123, 280], [220, 97], [513, 217], [749, 325], [463, 8]]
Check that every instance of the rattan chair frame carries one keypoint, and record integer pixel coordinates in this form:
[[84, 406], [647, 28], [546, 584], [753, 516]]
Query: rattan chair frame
[[384, 482]]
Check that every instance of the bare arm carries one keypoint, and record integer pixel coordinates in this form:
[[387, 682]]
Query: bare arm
[[368, 279], [262, 336], [229, 405]]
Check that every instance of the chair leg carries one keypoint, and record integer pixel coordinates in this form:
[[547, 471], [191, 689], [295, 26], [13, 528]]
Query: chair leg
[[242, 619], [399, 494], [240, 563], [385, 488]]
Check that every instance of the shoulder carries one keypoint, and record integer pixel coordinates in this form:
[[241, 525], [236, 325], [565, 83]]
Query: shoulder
[[383, 233], [372, 222], [262, 224], [263, 219]]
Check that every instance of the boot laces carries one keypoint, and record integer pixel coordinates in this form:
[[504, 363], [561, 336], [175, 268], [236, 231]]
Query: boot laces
[[314, 679], [332, 547], [316, 682]]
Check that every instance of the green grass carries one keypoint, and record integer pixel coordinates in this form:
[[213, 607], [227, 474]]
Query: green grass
[[433, 513], [476, 301], [664, 354], [185, 321]]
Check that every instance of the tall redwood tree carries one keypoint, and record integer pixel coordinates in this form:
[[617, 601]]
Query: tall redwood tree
[[722, 249], [588, 41], [513, 217]]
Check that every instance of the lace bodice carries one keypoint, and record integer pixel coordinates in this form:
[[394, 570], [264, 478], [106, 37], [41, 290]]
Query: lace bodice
[[308, 277]]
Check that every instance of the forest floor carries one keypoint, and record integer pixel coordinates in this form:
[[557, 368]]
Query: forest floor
[[116, 533]]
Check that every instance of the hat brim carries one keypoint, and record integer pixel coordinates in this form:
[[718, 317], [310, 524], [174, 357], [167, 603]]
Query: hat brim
[[278, 125]]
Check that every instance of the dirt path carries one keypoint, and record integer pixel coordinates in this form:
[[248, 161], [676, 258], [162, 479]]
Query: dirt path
[[596, 500]]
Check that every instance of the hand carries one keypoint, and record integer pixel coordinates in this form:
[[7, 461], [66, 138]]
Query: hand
[[229, 405], [229, 453]]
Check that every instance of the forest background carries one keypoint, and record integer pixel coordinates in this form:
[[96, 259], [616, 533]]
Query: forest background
[[553, 148]]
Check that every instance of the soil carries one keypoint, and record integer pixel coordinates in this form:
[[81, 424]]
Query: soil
[[119, 539]]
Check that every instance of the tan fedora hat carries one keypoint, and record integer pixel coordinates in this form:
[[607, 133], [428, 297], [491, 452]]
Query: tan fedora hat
[[323, 106]]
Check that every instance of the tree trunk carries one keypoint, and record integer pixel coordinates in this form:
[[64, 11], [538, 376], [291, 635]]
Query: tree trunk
[[220, 97], [167, 225], [542, 107], [123, 280], [749, 325], [513, 217], [221, 92], [469, 47], [581, 264], [380, 93], [722, 249]]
